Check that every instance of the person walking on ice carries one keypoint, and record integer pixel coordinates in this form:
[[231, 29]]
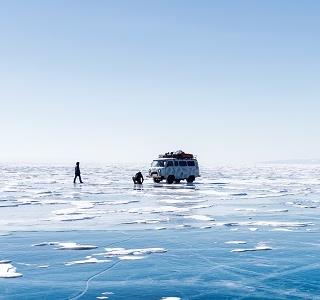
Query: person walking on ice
[[77, 173]]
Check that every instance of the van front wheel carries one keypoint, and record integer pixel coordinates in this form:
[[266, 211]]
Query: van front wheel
[[170, 179], [191, 179]]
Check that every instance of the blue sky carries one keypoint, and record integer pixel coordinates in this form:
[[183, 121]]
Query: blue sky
[[110, 81]]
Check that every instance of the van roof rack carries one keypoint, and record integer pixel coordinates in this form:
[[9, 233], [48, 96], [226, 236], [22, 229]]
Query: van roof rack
[[177, 154]]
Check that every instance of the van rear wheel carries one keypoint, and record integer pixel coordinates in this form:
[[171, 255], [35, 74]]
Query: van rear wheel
[[191, 179], [170, 179]]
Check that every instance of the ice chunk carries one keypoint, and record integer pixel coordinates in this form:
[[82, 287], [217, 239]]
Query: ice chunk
[[160, 228], [281, 229], [245, 209], [183, 226], [172, 201], [26, 201], [270, 223], [52, 202], [5, 261], [83, 204], [170, 298], [235, 242], [67, 211], [45, 244], [73, 218], [281, 224], [239, 194], [258, 247], [169, 209], [5, 233], [278, 210], [125, 252], [7, 270], [74, 246], [146, 221], [90, 260], [122, 202], [107, 293], [199, 217], [129, 257]]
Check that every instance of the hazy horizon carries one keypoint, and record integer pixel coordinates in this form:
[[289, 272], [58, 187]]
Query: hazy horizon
[[233, 82]]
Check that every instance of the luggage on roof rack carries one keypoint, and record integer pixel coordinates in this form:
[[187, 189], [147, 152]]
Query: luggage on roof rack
[[178, 154]]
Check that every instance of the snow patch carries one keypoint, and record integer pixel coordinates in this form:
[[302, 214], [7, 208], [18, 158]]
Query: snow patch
[[129, 257], [258, 247], [7, 270], [235, 242], [125, 252], [90, 260], [74, 246], [66, 245]]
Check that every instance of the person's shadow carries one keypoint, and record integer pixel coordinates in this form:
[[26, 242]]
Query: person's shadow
[[138, 187]]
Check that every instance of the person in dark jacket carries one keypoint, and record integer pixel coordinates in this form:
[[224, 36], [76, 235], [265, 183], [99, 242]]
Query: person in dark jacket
[[77, 173], [138, 178]]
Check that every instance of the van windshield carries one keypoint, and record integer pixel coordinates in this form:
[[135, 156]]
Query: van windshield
[[157, 163]]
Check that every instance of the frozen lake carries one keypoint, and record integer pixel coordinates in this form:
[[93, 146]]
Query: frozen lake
[[250, 232]]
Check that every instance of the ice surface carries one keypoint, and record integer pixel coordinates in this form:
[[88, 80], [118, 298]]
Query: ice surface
[[108, 197], [201, 229]]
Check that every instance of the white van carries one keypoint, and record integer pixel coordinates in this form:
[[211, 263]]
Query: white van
[[174, 169]]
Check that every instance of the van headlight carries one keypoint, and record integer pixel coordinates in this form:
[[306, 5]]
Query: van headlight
[[159, 172]]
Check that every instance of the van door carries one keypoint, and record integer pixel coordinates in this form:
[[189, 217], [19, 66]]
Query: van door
[[192, 169], [184, 169], [169, 168]]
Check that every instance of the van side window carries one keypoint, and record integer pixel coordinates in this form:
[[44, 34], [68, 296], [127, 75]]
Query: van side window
[[169, 163], [191, 163], [176, 163], [182, 163]]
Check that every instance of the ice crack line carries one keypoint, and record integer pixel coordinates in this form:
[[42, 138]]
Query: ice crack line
[[99, 273], [91, 278]]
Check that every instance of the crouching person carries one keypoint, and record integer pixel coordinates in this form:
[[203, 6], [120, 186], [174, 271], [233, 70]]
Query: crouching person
[[138, 178]]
